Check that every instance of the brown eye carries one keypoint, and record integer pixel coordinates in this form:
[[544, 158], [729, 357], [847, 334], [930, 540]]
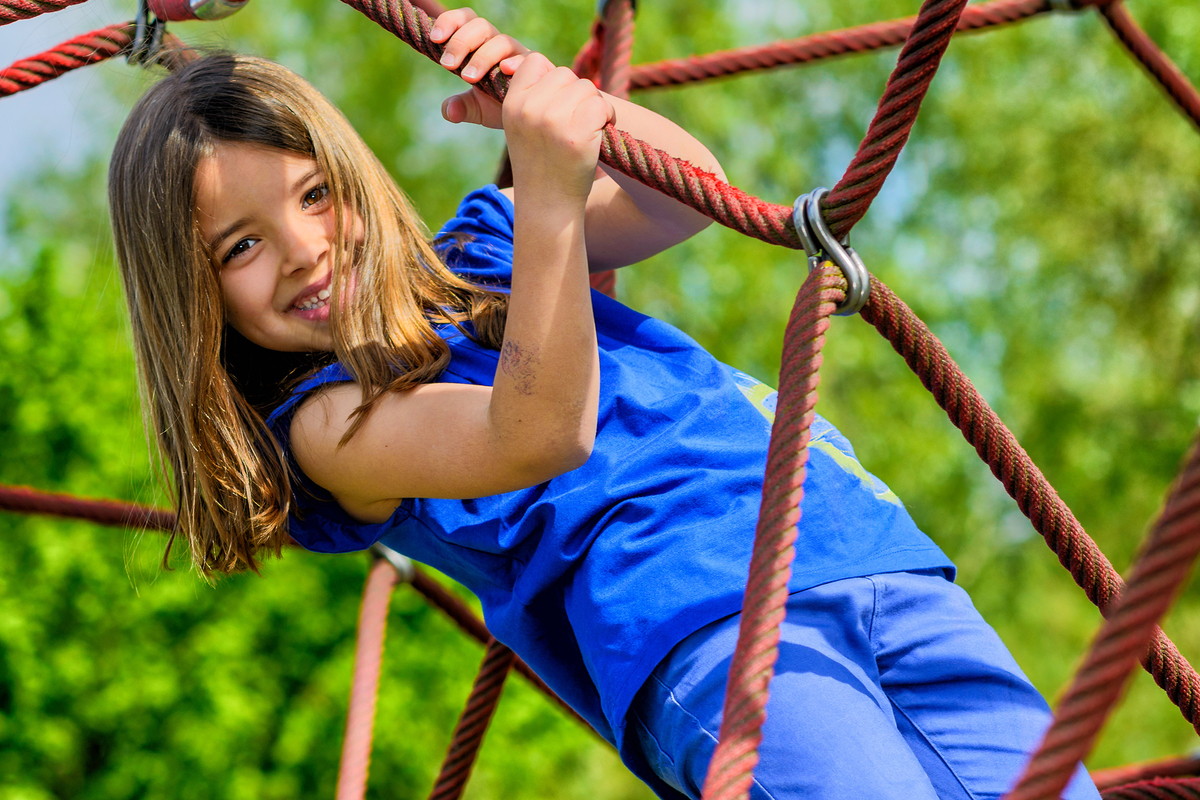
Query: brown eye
[[315, 195], [239, 249]]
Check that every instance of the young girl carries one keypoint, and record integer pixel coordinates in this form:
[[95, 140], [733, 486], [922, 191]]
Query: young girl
[[312, 366]]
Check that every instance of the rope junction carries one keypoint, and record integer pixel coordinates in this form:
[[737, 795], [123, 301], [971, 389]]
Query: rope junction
[[1132, 611]]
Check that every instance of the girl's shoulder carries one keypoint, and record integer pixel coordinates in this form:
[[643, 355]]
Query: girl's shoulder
[[280, 420]]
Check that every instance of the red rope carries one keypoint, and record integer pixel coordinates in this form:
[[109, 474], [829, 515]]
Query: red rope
[[368, 660], [819, 46], [611, 46], [699, 189], [1156, 62], [1157, 789], [919, 60], [1136, 773], [472, 725], [617, 47], [705, 192], [1173, 546], [731, 770], [13, 10], [90, 48], [23, 500], [1024, 482], [466, 619]]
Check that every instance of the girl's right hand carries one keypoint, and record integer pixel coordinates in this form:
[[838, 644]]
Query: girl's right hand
[[554, 124], [473, 43]]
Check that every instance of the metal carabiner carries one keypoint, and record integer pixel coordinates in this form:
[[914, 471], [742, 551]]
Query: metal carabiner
[[820, 245], [405, 569], [147, 36]]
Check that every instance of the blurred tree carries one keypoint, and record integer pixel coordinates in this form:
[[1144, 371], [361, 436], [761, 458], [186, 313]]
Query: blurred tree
[[1042, 221]]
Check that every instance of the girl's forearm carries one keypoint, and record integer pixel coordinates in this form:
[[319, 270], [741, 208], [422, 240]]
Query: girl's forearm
[[546, 390]]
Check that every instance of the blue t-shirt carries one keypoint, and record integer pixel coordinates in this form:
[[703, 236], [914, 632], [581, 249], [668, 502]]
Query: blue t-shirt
[[592, 577]]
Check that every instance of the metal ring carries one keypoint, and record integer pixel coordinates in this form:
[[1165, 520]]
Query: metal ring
[[405, 571], [820, 244]]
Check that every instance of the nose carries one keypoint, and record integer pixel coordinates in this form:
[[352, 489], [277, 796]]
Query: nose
[[307, 244]]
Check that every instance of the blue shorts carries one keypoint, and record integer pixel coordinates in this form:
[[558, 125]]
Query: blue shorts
[[887, 686]]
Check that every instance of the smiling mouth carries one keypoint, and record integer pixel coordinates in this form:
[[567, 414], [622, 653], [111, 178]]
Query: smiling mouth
[[318, 300]]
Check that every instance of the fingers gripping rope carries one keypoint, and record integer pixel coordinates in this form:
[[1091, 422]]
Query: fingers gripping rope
[[703, 191], [695, 187]]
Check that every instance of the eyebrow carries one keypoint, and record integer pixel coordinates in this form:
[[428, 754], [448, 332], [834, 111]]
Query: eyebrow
[[308, 176], [227, 232]]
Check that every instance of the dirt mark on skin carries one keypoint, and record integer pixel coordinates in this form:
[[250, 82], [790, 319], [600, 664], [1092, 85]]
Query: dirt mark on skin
[[520, 365]]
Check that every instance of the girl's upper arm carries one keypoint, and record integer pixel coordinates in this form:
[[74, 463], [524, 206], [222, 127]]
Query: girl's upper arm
[[618, 231], [431, 441]]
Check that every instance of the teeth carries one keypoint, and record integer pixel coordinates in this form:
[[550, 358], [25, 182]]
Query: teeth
[[319, 300]]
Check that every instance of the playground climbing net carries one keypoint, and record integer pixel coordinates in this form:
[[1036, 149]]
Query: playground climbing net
[[836, 283]]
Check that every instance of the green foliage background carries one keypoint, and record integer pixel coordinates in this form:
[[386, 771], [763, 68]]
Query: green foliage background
[[1042, 221]]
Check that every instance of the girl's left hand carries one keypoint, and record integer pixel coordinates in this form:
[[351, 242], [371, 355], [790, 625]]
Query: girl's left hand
[[469, 36]]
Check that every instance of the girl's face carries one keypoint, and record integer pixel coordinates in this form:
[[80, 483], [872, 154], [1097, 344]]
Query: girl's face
[[268, 219]]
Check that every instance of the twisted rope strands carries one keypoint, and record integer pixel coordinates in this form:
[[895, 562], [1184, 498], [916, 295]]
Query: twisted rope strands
[[701, 190], [368, 660], [1171, 550], [617, 49], [431, 7], [13, 10], [615, 33], [1156, 62], [90, 48], [471, 624], [472, 725], [1023, 481], [820, 46], [731, 770], [1157, 789], [1184, 767], [888, 132]]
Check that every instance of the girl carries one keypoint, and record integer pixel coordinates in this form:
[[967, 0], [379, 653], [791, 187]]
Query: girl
[[313, 367]]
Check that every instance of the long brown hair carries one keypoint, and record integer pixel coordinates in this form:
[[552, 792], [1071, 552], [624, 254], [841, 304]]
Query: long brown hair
[[204, 394]]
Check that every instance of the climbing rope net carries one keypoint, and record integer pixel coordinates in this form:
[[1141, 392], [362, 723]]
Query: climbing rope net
[[837, 282]]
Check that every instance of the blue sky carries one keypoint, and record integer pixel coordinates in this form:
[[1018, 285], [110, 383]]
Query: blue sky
[[55, 124]]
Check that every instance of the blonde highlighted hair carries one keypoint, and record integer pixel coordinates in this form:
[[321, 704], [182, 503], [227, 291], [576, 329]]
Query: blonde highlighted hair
[[206, 390]]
